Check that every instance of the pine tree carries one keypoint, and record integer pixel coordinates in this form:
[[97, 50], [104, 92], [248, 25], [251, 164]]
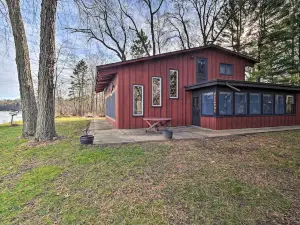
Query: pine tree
[[287, 51], [78, 85], [263, 44], [239, 13], [277, 45], [137, 49]]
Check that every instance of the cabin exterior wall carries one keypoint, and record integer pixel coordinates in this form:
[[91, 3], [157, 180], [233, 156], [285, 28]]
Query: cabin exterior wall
[[141, 73]]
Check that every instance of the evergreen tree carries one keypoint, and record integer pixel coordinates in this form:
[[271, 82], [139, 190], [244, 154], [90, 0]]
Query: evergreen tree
[[79, 80], [239, 13], [288, 48], [262, 44], [139, 45], [277, 43]]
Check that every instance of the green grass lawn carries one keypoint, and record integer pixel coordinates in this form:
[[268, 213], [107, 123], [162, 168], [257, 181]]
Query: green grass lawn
[[252, 179]]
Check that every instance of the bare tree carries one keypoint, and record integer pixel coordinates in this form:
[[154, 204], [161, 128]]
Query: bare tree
[[177, 18], [4, 28], [46, 113], [152, 10], [235, 31], [63, 60], [212, 19], [135, 28], [162, 31], [29, 107], [104, 22]]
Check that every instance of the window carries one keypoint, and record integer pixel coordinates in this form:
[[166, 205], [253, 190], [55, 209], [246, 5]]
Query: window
[[207, 103], [138, 100], [110, 109], [226, 69], [156, 91], [267, 104], [290, 104], [173, 85], [201, 70], [279, 104], [196, 102], [240, 103], [225, 103], [255, 104]]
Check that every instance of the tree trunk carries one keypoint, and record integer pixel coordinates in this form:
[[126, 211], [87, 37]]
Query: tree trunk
[[29, 108], [46, 112], [152, 34]]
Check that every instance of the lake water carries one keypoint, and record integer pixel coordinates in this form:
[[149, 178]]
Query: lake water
[[6, 117]]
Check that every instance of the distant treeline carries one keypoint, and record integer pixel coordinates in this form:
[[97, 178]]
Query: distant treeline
[[7, 105]]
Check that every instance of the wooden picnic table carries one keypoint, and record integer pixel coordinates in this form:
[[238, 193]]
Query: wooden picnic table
[[157, 124]]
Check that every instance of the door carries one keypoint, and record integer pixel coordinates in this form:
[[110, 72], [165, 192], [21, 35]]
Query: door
[[201, 70], [196, 111]]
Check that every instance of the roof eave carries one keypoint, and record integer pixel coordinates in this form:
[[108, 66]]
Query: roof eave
[[106, 66], [238, 83]]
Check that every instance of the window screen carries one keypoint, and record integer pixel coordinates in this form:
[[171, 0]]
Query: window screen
[[225, 103], [255, 104], [267, 104], [138, 100], [279, 104], [226, 69], [240, 103], [207, 103]]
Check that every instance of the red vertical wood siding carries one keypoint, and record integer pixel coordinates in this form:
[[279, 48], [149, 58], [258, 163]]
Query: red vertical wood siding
[[223, 123], [178, 109]]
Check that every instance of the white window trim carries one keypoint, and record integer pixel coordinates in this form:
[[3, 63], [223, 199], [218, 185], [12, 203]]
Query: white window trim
[[134, 114], [160, 88], [177, 88]]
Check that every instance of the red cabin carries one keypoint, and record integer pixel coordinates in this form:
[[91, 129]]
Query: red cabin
[[203, 86]]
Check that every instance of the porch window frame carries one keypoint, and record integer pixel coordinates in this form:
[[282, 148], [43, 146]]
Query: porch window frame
[[273, 103], [232, 104], [284, 105], [261, 92], [235, 104], [260, 103], [214, 101]]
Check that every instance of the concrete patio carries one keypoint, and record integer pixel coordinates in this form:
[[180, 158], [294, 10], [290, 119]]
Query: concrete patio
[[105, 134]]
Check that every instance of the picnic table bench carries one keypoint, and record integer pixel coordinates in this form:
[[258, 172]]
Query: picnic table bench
[[157, 124]]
